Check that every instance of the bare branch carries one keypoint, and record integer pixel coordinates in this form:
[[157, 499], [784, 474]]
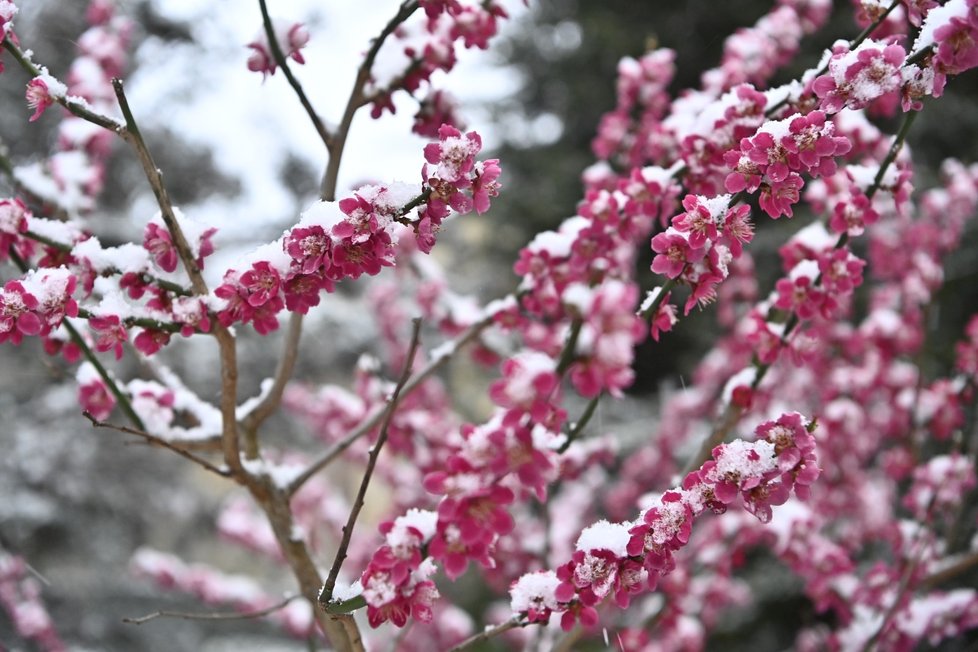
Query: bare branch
[[328, 189], [490, 633], [377, 415], [153, 174], [286, 364], [961, 566], [159, 441], [232, 615], [75, 105], [282, 63], [327, 592]]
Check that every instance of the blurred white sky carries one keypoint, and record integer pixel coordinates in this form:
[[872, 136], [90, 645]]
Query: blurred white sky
[[206, 93]]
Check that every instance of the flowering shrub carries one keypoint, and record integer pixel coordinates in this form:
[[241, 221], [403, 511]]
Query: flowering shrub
[[814, 411]]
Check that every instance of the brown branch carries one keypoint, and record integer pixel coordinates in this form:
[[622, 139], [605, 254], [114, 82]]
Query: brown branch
[[154, 175], [327, 593], [959, 567], [374, 419], [76, 106], [490, 633], [328, 188], [212, 616], [282, 62], [226, 341], [159, 441], [286, 365]]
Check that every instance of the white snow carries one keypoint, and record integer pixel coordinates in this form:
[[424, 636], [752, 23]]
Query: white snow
[[605, 535], [936, 18]]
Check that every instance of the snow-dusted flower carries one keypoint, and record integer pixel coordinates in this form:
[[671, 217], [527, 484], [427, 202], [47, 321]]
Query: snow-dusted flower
[[43, 91], [291, 38]]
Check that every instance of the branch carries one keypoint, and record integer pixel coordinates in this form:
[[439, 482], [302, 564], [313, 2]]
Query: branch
[[159, 441], [286, 364], [374, 419], [580, 424], [211, 616], [327, 592], [153, 174], [76, 106], [282, 62], [490, 633], [570, 347], [226, 341], [961, 566], [328, 186]]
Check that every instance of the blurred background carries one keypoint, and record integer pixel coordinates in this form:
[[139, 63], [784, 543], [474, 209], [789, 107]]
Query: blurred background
[[239, 154]]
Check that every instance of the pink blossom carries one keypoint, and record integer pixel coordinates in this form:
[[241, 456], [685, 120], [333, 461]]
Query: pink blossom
[[42, 92], [95, 398], [110, 334], [436, 109], [853, 215], [453, 156], [149, 341], [291, 38], [157, 241], [776, 199], [485, 184], [13, 222], [857, 78], [957, 44], [674, 252], [18, 316]]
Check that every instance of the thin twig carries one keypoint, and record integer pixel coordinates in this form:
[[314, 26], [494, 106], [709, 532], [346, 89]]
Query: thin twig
[[232, 615], [377, 415], [159, 441], [581, 423], [153, 174], [490, 633], [282, 62], [75, 105], [567, 356], [286, 365], [327, 592]]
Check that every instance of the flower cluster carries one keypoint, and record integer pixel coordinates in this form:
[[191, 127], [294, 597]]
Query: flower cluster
[[856, 78], [625, 559], [603, 353], [938, 486], [701, 243], [951, 30], [421, 48], [355, 236], [36, 304], [772, 159], [395, 583]]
